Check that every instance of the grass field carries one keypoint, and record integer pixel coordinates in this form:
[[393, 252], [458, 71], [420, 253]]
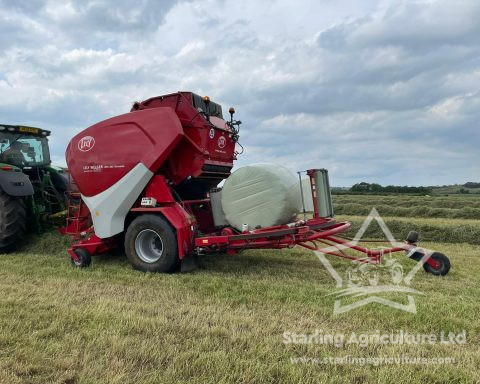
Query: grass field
[[452, 207], [224, 322]]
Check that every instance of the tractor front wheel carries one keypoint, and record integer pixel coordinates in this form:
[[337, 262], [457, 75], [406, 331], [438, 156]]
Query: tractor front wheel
[[151, 244], [13, 221]]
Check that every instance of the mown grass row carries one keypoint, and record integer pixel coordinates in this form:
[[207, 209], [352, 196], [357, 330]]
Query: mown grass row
[[451, 207], [455, 202], [434, 230], [359, 209]]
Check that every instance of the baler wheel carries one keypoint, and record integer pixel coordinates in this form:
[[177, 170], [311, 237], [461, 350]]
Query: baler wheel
[[151, 245], [443, 264], [84, 258]]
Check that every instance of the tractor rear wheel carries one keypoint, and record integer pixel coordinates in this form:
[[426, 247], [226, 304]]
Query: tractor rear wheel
[[151, 244], [13, 221]]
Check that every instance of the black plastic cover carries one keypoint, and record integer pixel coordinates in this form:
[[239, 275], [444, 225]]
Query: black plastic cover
[[15, 183], [213, 109]]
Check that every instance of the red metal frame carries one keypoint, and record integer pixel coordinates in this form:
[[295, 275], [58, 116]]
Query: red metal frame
[[306, 233], [181, 147], [314, 234], [78, 216], [311, 175], [93, 245]]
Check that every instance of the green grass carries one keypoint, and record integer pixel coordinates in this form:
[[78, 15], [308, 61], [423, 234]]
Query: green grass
[[436, 229], [453, 200], [456, 202], [223, 323], [388, 209], [445, 219]]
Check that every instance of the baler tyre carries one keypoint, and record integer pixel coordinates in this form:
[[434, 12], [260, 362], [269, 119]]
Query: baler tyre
[[442, 260], [151, 244], [13, 221], [84, 258]]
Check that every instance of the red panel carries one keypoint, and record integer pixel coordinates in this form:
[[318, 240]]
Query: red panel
[[105, 152], [220, 146], [159, 190], [202, 210], [183, 224], [205, 142]]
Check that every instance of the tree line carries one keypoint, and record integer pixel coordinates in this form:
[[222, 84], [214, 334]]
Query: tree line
[[373, 187]]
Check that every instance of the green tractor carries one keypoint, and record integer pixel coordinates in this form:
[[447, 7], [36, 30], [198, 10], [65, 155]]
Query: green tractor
[[32, 191]]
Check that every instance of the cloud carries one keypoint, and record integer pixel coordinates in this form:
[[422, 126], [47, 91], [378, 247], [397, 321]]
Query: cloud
[[382, 91]]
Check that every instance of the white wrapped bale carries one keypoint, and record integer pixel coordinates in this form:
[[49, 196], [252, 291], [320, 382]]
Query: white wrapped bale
[[260, 195], [324, 197], [307, 195]]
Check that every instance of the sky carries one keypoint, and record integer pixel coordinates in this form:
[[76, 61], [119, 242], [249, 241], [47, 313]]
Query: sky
[[377, 91]]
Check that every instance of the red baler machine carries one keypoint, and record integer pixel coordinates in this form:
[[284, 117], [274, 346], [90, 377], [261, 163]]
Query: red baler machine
[[144, 178]]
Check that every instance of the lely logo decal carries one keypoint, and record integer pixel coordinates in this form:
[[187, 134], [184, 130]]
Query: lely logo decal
[[221, 142], [86, 143]]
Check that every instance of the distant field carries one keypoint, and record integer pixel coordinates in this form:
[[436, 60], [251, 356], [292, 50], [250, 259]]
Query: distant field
[[224, 322], [436, 229], [454, 207], [446, 219]]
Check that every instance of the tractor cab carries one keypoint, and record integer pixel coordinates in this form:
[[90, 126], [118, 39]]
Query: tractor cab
[[24, 146], [25, 149], [32, 192]]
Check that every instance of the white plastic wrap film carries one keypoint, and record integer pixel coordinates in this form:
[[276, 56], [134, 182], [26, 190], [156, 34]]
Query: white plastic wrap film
[[307, 195], [261, 195]]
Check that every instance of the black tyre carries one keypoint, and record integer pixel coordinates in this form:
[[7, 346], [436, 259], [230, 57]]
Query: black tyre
[[151, 244], [412, 237], [443, 261], [443, 264], [84, 258], [13, 221]]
